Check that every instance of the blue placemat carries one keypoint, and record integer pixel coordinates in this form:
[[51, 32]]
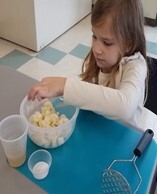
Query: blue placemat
[[77, 165]]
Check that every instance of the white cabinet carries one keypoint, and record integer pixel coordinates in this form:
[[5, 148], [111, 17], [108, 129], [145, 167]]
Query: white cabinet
[[36, 23], [150, 8]]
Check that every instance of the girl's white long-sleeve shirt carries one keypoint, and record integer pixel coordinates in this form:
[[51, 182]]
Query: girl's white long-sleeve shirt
[[124, 103]]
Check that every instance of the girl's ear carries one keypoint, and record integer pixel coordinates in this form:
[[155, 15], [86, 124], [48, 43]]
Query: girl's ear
[[128, 48]]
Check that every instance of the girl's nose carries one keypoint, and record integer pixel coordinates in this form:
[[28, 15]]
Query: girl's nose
[[99, 51], [97, 48]]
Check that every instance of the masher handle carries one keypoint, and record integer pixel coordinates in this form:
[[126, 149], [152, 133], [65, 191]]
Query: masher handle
[[143, 143]]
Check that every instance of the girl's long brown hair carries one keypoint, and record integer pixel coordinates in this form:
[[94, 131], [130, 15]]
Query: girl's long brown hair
[[128, 27]]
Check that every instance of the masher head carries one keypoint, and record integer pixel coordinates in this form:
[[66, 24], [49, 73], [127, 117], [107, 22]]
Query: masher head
[[115, 183]]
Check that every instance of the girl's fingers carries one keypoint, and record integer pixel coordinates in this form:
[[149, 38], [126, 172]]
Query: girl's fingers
[[48, 87], [39, 97], [34, 92], [43, 93]]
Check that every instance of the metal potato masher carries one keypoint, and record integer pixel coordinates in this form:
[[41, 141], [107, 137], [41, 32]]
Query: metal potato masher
[[113, 182]]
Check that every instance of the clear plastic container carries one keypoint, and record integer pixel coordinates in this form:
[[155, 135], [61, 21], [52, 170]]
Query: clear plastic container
[[53, 136], [39, 163], [13, 136]]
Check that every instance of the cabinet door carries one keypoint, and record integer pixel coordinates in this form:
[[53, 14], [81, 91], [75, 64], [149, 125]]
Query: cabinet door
[[150, 8]]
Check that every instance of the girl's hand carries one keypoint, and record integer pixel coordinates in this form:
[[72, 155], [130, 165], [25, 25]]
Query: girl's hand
[[47, 87]]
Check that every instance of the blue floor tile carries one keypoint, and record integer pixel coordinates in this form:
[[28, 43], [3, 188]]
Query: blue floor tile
[[152, 47], [15, 59], [51, 55], [80, 51]]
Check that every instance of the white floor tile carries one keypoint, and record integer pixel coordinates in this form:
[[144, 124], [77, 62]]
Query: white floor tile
[[151, 33], [37, 69], [70, 64], [59, 72]]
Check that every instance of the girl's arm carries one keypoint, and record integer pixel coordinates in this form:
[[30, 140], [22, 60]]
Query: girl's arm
[[116, 104]]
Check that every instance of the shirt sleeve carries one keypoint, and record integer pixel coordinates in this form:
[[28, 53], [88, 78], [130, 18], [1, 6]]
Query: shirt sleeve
[[117, 104]]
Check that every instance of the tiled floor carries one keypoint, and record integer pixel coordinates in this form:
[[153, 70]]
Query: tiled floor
[[64, 56]]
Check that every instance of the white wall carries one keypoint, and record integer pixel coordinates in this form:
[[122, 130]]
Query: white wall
[[150, 8]]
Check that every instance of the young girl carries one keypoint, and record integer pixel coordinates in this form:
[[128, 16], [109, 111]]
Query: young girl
[[114, 77]]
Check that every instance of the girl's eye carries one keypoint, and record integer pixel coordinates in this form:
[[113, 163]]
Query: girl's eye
[[108, 44], [94, 36]]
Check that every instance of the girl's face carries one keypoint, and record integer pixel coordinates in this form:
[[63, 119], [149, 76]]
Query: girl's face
[[104, 46]]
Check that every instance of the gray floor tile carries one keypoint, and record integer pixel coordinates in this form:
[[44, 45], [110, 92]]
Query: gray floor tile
[[80, 51], [15, 59], [51, 55]]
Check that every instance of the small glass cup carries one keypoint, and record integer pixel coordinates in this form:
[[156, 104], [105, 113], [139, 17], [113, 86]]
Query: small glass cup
[[13, 135], [39, 163]]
